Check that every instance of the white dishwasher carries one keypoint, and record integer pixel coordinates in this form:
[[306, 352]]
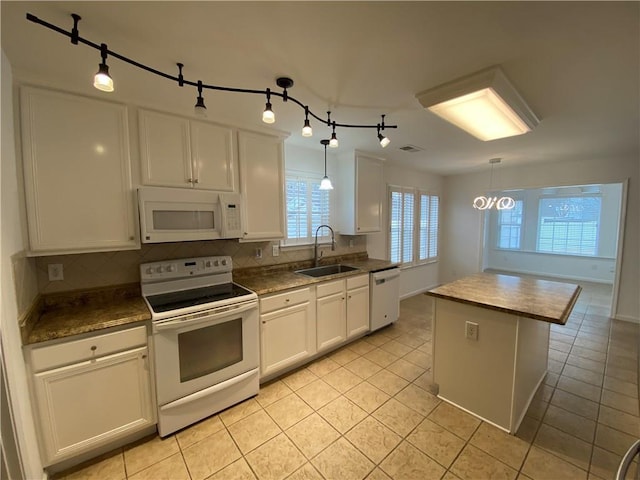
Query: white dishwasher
[[384, 297]]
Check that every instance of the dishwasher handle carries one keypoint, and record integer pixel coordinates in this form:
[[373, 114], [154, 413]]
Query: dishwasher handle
[[383, 276]]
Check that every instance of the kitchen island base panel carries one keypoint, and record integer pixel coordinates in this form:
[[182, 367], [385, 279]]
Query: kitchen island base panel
[[496, 376]]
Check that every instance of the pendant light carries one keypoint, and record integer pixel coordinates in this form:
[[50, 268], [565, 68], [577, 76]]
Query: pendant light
[[482, 202], [325, 184]]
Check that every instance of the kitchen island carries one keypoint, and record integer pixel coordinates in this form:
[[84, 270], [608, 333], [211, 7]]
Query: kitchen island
[[491, 342]]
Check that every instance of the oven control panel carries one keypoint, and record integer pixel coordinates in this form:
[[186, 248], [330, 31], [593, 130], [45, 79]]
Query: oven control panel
[[185, 268]]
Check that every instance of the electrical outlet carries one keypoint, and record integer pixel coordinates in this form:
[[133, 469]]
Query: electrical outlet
[[56, 272], [471, 330], [275, 250], [258, 253], [350, 243]]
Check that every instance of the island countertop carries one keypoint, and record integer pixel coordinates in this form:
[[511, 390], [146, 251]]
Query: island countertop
[[528, 297]]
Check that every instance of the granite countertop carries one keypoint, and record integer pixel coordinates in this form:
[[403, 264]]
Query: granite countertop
[[73, 313], [277, 280], [524, 296]]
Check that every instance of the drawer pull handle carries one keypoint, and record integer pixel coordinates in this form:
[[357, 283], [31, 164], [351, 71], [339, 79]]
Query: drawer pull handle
[[287, 300], [93, 348]]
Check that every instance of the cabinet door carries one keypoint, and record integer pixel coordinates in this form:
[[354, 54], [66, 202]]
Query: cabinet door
[[286, 337], [368, 209], [165, 150], [262, 185], [88, 404], [330, 320], [77, 174], [357, 311], [213, 157]]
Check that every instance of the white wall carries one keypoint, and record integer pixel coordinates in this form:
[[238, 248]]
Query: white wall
[[413, 280], [599, 268], [461, 240], [14, 283]]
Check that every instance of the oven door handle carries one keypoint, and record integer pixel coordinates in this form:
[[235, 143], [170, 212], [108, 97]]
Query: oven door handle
[[203, 317]]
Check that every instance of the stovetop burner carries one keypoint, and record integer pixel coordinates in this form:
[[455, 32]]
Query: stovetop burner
[[185, 286], [166, 302]]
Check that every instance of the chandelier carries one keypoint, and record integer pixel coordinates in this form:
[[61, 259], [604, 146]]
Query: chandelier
[[482, 202]]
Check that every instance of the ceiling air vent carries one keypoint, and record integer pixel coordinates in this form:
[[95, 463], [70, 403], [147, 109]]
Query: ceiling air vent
[[411, 149]]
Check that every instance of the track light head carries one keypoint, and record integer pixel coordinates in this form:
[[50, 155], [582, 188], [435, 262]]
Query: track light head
[[307, 131], [102, 80], [268, 116], [200, 108], [333, 142], [384, 141]]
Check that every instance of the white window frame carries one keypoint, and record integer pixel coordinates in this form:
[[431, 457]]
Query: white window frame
[[422, 241], [521, 225], [324, 235], [583, 247]]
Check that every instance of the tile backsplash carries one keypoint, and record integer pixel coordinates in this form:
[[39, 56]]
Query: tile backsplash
[[25, 273], [92, 270]]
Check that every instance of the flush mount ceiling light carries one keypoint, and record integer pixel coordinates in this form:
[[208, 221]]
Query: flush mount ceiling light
[[104, 82], [325, 184], [484, 104]]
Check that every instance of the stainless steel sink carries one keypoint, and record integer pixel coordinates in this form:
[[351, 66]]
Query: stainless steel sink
[[326, 270]]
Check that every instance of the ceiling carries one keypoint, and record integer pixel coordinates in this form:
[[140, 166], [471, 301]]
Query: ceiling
[[575, 63]]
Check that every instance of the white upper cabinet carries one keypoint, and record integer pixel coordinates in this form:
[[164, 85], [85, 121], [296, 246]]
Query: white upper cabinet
[[178, 152], [77, 174], [262, 185], [360, 191]]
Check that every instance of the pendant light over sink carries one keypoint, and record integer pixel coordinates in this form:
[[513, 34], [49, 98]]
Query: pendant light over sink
[[104, 82], [325, 184]]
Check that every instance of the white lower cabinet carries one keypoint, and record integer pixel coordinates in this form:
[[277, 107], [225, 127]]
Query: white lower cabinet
[[357, 305], [87, 396], [342, 310], [287, 330]]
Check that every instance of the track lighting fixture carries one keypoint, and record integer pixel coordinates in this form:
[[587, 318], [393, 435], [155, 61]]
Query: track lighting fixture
[[268, 116], [325, 184], [333, 142], [104, 82], [307, 131], [200, 108], [384, 141]]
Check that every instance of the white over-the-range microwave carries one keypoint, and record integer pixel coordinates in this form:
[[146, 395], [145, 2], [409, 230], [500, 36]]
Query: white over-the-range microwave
[[178, 214]]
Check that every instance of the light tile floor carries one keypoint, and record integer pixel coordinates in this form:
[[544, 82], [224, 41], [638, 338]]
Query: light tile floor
[[365, 411]]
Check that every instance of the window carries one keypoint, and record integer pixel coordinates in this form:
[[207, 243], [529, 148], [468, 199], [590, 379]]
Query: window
[[307, 209], [510, 227], [413, 232], [569, 225], [428, 244]]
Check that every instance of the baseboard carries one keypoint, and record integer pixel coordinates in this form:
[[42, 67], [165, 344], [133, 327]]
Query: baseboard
[[626, 318], [413, 293], [575, 278]]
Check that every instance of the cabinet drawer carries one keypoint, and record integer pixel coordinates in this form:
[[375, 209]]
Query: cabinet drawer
[[330, 288], [282, 300], [44, 358], [356, 282]]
